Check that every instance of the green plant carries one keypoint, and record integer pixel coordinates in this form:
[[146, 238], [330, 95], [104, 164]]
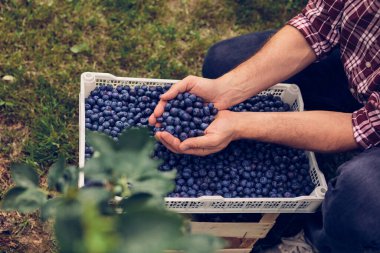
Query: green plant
[[91, 219]]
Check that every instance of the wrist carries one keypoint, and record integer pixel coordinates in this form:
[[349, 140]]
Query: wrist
[[248, 125], [238, 129]]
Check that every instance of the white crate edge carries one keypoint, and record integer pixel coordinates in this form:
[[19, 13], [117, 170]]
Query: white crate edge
[[212, 204]]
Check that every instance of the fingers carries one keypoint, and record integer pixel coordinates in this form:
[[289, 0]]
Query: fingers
[[169, 141], [201, 151], [180, 87], [158, 111], [160, 108], [152, 120], [200, 146], [202, 142]]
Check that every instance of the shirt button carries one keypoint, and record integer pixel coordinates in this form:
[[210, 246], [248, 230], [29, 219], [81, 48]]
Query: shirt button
[[352, 90], [368, 64]]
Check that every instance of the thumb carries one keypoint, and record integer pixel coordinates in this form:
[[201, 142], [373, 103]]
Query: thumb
[[180, 87]]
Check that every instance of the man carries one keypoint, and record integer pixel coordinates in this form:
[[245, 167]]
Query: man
[[343, 109]]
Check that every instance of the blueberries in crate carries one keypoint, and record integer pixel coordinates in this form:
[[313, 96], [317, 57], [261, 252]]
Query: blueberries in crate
[[186, 116], [243, 169], [110, 109]]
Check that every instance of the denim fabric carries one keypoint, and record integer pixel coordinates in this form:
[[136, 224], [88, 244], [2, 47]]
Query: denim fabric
[[349, 220]]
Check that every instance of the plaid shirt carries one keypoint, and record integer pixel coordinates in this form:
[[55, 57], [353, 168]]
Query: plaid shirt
[[355, 26]]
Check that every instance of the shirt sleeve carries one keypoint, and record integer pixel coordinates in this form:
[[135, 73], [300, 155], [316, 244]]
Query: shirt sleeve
[[320, 24], [366, 122]]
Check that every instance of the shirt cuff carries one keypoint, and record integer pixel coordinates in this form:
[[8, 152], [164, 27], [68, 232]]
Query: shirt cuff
[[304, 26], [366, 126]]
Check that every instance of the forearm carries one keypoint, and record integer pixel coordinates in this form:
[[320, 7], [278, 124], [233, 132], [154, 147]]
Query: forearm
[[284, 55], [322, 131]]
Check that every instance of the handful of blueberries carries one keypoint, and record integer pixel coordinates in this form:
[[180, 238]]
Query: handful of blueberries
[[244, 169], [186, 116]]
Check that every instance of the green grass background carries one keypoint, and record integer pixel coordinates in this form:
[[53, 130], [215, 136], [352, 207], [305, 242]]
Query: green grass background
[[47, 44]]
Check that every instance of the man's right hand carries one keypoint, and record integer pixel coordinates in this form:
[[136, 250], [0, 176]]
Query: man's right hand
[[211, 90]]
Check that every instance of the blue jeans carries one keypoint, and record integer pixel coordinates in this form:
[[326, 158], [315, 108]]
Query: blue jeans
[[349, 219]]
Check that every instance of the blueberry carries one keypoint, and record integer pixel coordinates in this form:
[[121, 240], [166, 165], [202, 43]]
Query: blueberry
[[119, 124], [192, 133], [197, 121], [178, 129], [203, 126], [183, 136], [90, 101], [188, 102], [198, 105], [206, 111], [168, 106], [170, 129], [169, 120], [165, 115], [174, 112], [193, 98], [192, 125]]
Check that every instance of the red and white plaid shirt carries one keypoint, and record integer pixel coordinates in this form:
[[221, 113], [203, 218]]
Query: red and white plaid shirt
[[354, 25]]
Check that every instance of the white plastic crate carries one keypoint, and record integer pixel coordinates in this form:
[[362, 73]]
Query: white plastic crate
[[289, 93]]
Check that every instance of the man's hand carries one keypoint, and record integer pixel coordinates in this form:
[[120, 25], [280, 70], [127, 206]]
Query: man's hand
[[211, 90], [217, 136]]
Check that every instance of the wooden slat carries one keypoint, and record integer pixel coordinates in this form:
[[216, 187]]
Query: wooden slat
[[240, 243], [234, 250], [269, 218], [240, 236], [230, 229], [219, 251]]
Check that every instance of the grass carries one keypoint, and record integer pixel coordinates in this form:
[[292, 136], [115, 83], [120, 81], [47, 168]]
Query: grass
[[46, 45]]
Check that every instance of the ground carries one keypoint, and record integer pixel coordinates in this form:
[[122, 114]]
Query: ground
[[46, 45]]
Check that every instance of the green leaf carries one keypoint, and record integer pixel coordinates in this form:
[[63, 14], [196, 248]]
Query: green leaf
[[78, 48], [24, 175], [6, 103], [95, 170], [149, 231], [55, 173], [96, 197], [100, 142], [141, 201], [100, 234], [61, 178], [68, 227], [25, 200], [49, 209], [135, 139], [158, 186]]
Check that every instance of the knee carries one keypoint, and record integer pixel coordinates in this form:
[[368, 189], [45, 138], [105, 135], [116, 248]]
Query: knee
[[227, 54], [215, 62], [352, 203]]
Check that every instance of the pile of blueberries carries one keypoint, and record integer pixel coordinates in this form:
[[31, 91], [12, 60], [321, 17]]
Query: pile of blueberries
[[244, 169]]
